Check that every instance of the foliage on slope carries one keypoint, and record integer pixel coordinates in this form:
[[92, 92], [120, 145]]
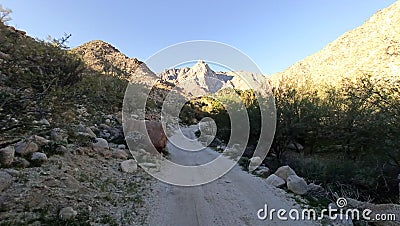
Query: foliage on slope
[[349, 131], [43, 80]]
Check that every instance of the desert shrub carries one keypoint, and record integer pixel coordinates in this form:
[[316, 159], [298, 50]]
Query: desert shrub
[[349, 132], [30, 70]]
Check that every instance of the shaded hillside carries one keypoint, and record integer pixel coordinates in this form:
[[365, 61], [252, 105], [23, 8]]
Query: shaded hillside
[[373, 48], [341, 105]]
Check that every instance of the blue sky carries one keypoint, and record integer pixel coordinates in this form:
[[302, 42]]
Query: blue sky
[[274, 33]]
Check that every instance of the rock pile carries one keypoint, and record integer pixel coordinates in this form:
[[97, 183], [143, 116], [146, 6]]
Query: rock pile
[[286, 175]]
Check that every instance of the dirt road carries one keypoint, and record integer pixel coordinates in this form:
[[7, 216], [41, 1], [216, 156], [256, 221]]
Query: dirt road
[[233, 199]]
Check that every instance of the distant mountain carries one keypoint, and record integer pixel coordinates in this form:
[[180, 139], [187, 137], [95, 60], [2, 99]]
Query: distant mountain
[[200, 79], [208, 81], [372, 48]]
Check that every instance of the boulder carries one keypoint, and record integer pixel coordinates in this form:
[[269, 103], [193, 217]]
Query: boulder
[[297, 184], [155, 137], [275, 181], [156, 134], [59, 135], [5, 180], [121, 146], [39, 140], [262, 171], [129, 166], [7, 156], [284, 172], [100, 145], [67, 213], [26, 147], [38, 158], [254, 163]]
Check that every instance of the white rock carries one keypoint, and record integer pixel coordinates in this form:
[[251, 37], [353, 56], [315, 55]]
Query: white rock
[[284, 172], [100, 145], [67, 213], [275, 181], [297, 184], [254, 163], [44, 122], [129, 166]]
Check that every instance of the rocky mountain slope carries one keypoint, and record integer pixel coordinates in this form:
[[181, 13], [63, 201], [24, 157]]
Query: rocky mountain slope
[[63, 157], [207, 80], [372, 48], [105, 58]]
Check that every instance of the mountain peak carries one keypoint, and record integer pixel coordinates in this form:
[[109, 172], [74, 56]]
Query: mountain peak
[[98, 46], [202, 69], [105, 58]]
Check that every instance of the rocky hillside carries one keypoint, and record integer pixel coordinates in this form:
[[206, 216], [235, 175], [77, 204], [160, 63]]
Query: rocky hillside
[[104, 58], [63, 156], [373, 48]]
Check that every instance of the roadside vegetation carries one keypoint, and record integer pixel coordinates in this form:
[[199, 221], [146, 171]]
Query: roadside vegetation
[[343, 136]]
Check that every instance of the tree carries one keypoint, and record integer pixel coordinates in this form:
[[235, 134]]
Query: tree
[[5, 14]]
